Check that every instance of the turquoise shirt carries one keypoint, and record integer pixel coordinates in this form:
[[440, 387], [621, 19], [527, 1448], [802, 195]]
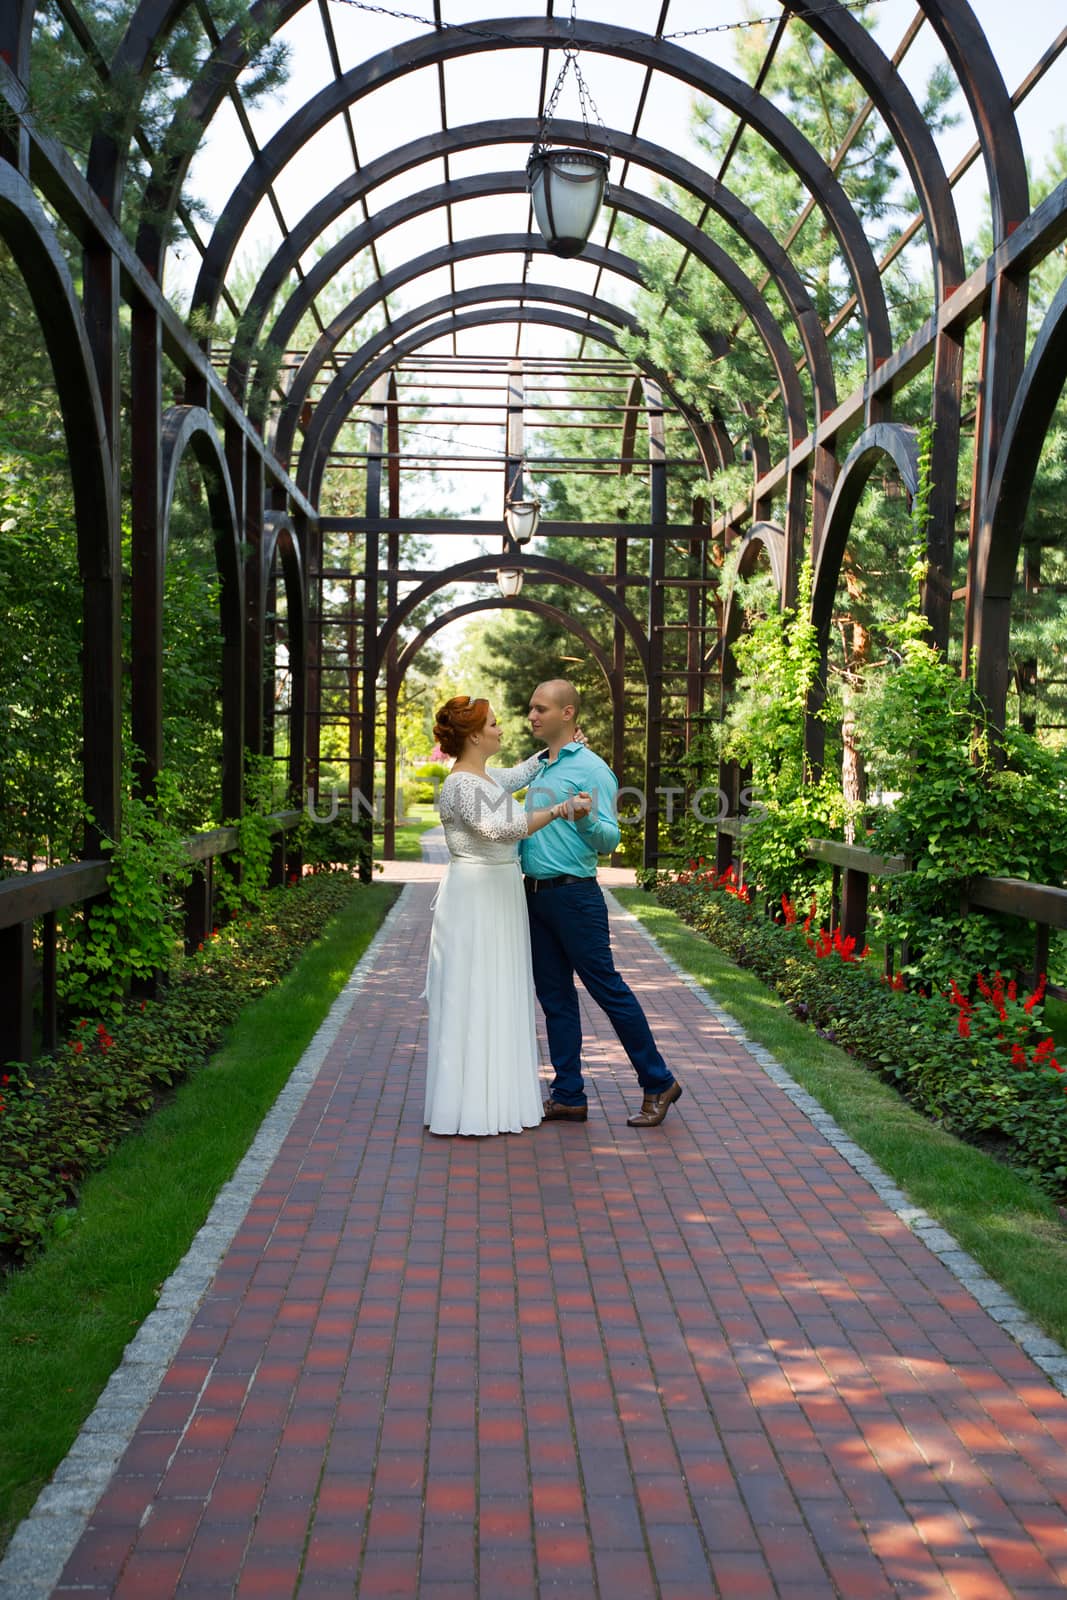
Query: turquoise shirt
[[571, 847]]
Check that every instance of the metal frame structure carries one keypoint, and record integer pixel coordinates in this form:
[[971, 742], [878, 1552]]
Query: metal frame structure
[[264, 474]]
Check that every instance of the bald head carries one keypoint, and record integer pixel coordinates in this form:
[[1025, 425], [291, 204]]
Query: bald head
[[563, 693], [554, 713]]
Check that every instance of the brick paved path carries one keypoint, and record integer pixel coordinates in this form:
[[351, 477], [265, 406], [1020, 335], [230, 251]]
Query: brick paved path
[[700, 1360]]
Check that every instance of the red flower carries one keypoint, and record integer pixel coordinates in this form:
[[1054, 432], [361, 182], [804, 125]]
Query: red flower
[[1018, 1056], [898, 981], [78, 1047], [1043, 1053], [5, 1080], [789, 910], [1038, 994], [987, 993], [964, 1025], [142, 1005]]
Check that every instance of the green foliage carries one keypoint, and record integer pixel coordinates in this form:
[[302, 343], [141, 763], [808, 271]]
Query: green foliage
[[60, 1118], [40, 718], [339, 842], [957, 815], [70, 101], [954, 810], [41, 813], [776, 836], [777, 659], [242, 884], [129, 933]]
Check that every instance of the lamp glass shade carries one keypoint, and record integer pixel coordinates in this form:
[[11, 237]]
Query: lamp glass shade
[[509, 582], [566, 187], [521, 518]]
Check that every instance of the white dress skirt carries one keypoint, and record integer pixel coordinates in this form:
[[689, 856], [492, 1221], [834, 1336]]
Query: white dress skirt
[[482, 1071]]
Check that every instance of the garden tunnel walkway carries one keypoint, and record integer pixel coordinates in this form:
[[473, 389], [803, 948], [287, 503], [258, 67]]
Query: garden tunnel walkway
[[710, 1359]]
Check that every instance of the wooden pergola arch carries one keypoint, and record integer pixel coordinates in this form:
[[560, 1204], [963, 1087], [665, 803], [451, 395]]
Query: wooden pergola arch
[[666, 164], [265, 516], [397, 668]]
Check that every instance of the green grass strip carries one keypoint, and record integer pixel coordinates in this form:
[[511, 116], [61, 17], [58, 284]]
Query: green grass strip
[[65, 1318], [1008, 1224], [408, 842]]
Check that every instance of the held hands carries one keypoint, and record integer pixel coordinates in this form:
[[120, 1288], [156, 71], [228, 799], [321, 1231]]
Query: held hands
[[574, 807]]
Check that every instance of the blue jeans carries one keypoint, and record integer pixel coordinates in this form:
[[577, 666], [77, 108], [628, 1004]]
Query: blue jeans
[[569, 935]]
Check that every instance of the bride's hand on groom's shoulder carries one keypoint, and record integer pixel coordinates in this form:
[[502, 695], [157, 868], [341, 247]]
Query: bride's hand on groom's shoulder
[[579, 737]]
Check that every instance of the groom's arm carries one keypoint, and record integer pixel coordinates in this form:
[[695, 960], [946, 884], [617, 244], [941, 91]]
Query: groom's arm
[[600, 829]]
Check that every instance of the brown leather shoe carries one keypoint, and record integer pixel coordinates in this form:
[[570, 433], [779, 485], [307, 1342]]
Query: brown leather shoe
[[555, 1111], [654, 1107]]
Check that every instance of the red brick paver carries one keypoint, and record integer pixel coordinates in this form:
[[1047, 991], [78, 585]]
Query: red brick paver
[[587, 1361]]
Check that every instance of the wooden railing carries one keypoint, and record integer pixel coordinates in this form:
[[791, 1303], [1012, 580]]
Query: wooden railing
[[1043, 904], [36, 897]]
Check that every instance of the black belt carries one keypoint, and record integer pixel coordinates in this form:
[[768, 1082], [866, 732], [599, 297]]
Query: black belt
[[534, 884]]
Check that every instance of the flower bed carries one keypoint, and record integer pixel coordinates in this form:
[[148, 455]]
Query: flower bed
[[60, 1118], [976, 1057]]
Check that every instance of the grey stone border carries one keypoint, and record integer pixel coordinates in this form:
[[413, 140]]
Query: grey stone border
[[44, 1540], [1044, 1352]]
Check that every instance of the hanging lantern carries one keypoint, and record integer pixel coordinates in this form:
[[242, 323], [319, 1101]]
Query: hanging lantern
[[509, 582], [521, 518], [567, 187]]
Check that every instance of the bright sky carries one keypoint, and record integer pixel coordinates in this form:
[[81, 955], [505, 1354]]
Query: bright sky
[[505, 84]]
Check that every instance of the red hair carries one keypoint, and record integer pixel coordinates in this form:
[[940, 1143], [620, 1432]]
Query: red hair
[[457, 719]]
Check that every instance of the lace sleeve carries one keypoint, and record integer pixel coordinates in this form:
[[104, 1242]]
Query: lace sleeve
[[492, 814], [512, 778]]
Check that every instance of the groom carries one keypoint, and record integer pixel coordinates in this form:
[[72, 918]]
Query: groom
[[569, 920]]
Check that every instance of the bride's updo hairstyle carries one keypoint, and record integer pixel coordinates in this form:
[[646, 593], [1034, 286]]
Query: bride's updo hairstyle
[[457, 719]]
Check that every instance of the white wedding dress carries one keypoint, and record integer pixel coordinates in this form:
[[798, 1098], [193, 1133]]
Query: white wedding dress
[[482, 1075]]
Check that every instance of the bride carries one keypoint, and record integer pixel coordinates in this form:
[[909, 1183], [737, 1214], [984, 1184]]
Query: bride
[[482, 1075]]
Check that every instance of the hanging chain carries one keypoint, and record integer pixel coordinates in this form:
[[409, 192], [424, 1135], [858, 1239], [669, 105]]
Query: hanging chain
[[440, 26], [586, 102], [571, 50]]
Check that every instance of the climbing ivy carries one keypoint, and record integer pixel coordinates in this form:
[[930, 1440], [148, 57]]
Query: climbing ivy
[[130, 932], [956, 804]]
